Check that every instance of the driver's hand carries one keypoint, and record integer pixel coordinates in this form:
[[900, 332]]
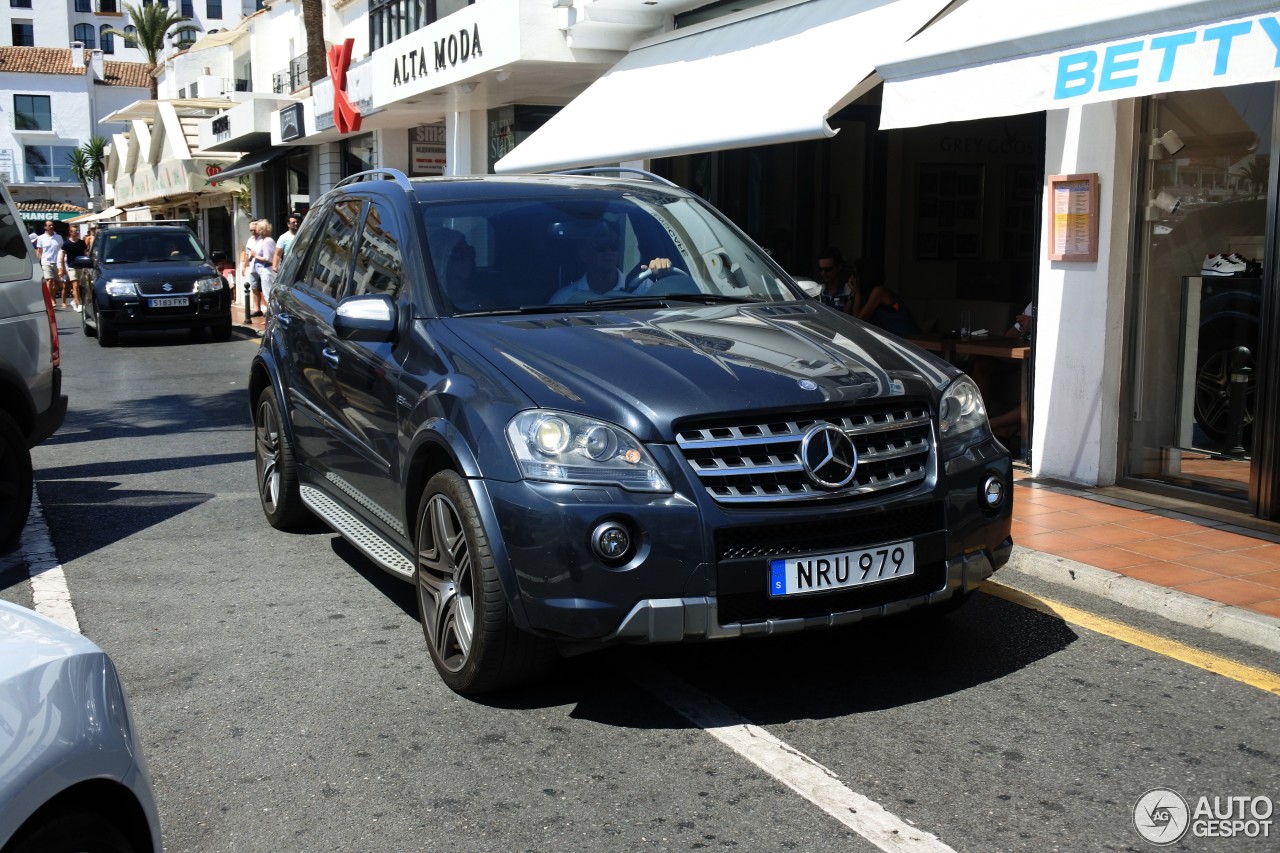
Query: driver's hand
[[658, 266]]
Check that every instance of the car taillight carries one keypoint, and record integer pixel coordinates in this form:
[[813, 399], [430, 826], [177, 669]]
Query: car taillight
[[56, 353]]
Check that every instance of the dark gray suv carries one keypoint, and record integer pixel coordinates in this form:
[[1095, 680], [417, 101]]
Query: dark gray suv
[[32, 405], [576, 410]]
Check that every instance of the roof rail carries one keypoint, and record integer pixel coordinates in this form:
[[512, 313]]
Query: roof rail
[[598, 170], [396, 175]]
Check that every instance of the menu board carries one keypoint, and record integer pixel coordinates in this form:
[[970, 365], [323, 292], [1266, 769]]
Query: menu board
[[1073, 217]]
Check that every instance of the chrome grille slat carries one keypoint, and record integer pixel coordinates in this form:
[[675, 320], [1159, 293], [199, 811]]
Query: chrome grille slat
[[760, 462]]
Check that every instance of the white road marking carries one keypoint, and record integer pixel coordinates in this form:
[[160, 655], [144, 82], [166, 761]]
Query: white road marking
[[792, 768], [49, 592]]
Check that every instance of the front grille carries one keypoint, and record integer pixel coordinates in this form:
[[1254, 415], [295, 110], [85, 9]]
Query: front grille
[[156, 288], [830, 535], [759, 461]]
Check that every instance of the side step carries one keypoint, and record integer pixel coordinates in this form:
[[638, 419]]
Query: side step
[[355, 531]]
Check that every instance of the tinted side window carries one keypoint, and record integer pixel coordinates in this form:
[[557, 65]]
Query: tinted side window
[[15, 248], [330, 263], [379, 264]]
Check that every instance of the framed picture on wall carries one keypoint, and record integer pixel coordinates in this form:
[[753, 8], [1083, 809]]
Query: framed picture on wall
[[949, 211]]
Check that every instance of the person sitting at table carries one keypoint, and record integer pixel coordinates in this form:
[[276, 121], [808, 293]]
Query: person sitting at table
[[875, 303], [837, 278], [1008, 424]]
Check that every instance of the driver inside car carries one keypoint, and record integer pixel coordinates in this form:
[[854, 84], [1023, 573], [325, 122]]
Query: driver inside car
[[598, 255]]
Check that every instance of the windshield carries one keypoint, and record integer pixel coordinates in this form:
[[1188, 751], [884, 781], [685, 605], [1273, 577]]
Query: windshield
[[168, 247], [550, 254]]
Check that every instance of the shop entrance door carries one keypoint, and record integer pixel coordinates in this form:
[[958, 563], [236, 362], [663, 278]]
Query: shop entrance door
[[1196, 326]]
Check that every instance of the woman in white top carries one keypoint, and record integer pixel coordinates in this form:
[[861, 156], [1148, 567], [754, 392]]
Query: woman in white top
[[247, 267], [264, 260]]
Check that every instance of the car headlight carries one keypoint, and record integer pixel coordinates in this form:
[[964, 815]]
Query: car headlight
[[208, 285], [564, 448], [122, 288], [962, 418]]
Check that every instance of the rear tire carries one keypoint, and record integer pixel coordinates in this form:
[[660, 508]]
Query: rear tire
[[15, 482], [276, 469], [470, 632]]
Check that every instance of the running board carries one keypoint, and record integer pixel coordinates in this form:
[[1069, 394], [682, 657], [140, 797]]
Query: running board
[[356, 532]]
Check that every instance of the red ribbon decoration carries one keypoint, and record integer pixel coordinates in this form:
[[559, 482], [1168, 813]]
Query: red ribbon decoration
[[345, 115]]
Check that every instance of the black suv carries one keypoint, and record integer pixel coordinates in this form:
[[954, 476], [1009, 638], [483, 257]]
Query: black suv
[[577, 410], [150, 276]]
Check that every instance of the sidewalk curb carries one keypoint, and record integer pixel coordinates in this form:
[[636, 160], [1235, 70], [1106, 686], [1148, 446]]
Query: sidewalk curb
[[1184, 608]]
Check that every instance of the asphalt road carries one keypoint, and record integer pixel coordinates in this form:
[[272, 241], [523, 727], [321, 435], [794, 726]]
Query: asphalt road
[[287, 703]]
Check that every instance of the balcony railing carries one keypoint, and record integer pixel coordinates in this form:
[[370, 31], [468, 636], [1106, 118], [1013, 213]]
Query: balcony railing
[[291, 79]]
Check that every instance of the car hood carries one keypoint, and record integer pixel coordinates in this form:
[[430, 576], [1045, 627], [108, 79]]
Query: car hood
[[159, 270], [643, 369]]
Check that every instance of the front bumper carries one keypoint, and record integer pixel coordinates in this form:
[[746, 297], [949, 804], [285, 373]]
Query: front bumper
[[204, 309], [674, 620], [699, 570]]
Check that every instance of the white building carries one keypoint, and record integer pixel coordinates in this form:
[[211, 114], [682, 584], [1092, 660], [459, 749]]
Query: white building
[[52, 100]]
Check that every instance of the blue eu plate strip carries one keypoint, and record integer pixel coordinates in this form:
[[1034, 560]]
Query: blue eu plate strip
[[777, 577]]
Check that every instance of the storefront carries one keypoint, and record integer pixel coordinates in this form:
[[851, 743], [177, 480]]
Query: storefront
[[1157, 345]]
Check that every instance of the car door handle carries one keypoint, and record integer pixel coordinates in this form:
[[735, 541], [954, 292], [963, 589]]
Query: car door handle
[[282, 318], [330, 356]]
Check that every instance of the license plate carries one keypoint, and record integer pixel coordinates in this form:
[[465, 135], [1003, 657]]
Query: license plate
[[169, 302], [827, 572]]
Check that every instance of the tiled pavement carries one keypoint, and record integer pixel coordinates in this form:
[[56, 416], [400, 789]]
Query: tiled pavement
[[1209, 555]]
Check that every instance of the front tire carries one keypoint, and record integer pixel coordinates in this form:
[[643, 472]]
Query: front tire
[[15, 481], [470, 632], [276, 468], [106, 332]]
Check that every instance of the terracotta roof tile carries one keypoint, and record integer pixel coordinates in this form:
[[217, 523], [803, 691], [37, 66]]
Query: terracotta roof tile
[[47, 206], [57, 60]]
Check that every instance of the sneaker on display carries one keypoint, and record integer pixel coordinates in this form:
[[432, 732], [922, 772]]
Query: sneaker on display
[[1251, 268], [1221, 265]]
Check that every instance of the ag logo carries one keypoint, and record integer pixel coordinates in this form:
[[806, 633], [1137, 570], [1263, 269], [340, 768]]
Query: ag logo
[[1161, 816]]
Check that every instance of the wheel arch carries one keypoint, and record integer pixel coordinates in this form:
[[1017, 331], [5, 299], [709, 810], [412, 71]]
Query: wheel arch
[[439, 447], [104, 796]]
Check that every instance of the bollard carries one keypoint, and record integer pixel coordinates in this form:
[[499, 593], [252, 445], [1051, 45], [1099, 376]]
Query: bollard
[[1237, 389], [248, 305]]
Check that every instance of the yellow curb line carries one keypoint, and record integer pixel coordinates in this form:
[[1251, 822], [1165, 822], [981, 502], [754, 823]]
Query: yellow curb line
[[1245, 674]]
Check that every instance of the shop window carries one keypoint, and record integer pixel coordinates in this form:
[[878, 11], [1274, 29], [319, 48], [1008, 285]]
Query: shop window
[[32, 112], [1196, 324], [24, 34], [86, 35]]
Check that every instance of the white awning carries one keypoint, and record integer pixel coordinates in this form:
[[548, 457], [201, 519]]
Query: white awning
[[774, 77], [1007, 57], [94, 217]]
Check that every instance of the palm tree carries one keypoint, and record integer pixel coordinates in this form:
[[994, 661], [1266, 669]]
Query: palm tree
[[153, 23], [313, 25], [96, 151], [81, 168]]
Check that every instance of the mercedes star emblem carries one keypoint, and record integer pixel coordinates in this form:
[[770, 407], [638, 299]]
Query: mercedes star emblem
[[828, 456]]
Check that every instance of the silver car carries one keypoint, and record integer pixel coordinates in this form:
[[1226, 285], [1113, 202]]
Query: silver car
[[71, 775]]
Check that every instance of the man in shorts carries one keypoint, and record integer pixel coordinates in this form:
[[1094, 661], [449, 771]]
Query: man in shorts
[[73, 247], [49, 247]]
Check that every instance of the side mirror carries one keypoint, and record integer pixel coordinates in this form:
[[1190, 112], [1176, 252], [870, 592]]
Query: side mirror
[[218, 257], [82, 263], [370, 317]]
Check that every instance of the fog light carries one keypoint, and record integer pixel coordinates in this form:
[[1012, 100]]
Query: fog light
[[611, 541], [993, 492]]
